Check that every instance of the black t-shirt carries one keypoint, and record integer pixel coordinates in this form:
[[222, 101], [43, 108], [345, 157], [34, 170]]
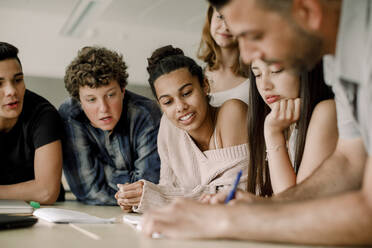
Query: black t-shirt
[[38, 124]]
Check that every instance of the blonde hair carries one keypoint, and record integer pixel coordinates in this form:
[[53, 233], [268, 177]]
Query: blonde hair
[[210, 52]]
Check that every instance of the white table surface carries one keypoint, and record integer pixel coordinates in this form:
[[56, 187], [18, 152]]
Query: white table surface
[[45, 234]]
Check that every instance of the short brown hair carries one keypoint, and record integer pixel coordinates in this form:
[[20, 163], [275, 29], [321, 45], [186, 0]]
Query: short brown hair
[[95, 67], [277, 5]]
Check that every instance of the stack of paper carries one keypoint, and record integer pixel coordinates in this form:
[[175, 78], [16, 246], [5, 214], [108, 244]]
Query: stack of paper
[[15, 207], [58, 215]]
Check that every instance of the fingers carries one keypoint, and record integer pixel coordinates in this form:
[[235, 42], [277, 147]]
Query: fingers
[[127, 191], [152, 222], [243, 197], [132, 186], [126, 209], [219, 198], [129, 202], [159, 221], [205, 198], [129, 194], [297, 109], [284, 113]]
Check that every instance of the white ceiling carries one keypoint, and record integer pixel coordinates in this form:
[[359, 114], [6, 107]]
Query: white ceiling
[[132, 27]]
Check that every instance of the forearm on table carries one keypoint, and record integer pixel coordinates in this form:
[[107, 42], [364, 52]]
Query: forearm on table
[[335, 175], [33, 190], [340, 220]]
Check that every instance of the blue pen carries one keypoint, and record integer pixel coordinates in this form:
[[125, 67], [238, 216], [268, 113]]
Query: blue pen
[[233, 190]]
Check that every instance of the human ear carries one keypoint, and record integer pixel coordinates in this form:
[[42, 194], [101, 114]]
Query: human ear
[[206, 86], [308, 14]]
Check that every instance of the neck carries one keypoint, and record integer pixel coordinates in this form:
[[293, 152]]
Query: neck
[[331, 26], [203, 135], [228, 57]]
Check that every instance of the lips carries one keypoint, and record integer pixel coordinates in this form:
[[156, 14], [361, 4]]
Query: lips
[[187, 118], [106, 119], [272, 98], [12, 105], [226, 35]]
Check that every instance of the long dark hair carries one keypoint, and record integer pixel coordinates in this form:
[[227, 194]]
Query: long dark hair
[[312, 91]]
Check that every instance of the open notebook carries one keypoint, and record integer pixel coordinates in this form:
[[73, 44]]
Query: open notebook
[[58, 215], [15, 207]]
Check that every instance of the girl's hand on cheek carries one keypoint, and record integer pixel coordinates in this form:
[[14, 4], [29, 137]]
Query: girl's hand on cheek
[[283, 114]]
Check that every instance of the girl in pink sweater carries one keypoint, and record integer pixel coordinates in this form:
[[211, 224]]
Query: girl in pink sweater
[[201, 147]]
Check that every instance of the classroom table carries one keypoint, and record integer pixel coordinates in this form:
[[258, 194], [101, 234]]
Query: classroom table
[[45, 234]]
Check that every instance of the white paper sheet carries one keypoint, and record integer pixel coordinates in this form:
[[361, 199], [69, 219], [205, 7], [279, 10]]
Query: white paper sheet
[[58, 215]]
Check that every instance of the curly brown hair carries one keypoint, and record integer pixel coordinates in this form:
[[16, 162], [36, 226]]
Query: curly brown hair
[[95, 67]]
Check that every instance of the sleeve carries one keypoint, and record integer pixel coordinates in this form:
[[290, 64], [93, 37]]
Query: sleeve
[[47, 127], [168, 189], [346, 123], [147, 162], [83, 167], [366, 96], [155, 196]]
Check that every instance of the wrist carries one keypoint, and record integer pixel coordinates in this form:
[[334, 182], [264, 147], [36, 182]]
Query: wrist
[[225, 225], [274, 138], [272, 132]]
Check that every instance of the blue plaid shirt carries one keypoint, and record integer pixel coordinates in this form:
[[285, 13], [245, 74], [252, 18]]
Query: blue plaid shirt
[[94, 161]]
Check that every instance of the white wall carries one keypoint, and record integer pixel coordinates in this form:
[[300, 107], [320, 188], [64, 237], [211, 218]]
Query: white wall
[[53, 89]]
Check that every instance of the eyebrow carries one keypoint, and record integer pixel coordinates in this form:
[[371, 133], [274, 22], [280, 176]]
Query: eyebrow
[[15, 75], [271, 62], [90, 95], [180, 89], [247, 33]]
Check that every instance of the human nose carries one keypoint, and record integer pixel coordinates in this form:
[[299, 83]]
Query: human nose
[[103, 106], [180, 105], [266, 83], [224, 26], [249, 52], [10, 90]]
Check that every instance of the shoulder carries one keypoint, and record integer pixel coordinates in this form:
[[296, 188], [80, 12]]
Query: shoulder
[[325, 108], [324, 115], [41, 119], [35, 106], [232, 123], [70, 109], [35, 101], [234, 110], [140, 107]]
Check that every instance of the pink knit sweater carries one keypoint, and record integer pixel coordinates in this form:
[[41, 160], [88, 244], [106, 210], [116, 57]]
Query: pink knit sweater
[[186, 171]]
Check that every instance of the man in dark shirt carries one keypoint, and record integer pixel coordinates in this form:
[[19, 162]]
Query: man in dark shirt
[[30, 137]]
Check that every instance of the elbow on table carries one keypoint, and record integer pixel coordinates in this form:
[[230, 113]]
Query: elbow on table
[[49, 195]]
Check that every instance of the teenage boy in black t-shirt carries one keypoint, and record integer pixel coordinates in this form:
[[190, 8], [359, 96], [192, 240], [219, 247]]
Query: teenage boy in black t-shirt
[[30, 137]]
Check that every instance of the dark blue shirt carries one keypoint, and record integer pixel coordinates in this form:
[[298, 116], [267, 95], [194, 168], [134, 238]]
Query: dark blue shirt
[[95, 161]]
